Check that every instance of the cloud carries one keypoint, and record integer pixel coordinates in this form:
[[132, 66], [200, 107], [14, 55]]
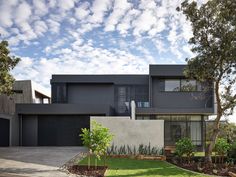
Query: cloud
[[98, 9], [119, 10], [5, 15], [82, 11], [54, 26], [66, 5], [40, 27], [40, 7], [22, 13]]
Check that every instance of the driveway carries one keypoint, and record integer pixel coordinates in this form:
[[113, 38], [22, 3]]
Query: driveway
[[35, 161]]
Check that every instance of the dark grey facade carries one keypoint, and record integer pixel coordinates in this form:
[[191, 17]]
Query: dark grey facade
[[164, 93]]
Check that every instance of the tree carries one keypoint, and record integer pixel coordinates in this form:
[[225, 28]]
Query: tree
[[7, 63], [214, 43], [227, 130], [97, 140]]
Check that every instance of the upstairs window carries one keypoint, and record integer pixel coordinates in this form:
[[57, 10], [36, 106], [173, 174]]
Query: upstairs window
[[172, 85], [182, 85], [188, 85]]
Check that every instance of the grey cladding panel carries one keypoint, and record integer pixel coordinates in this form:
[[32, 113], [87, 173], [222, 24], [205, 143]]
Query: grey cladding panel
[[170, 100], [91, 94]]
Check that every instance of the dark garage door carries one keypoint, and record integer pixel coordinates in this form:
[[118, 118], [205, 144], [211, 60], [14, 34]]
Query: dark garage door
[[61, 130], [4, 132]]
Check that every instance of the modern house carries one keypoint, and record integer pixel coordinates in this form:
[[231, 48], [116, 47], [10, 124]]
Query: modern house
[[163, 94], [24, 91]]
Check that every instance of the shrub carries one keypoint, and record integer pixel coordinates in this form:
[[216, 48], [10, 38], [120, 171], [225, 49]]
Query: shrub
[[221, 148], [232, 152], [184, 147], [131, 150]]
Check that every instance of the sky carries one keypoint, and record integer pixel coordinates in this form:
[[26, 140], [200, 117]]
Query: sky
[[93, 37]]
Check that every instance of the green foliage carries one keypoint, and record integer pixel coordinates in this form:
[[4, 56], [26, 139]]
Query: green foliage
[[232, 151], [184, 147], [101, 139], [7, 63], [227, 130], [214, 45], [222, 146], [131, 150], [97, 140]]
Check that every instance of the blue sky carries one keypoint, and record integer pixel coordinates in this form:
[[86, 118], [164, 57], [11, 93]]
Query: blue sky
[[93, 37], [88, 37]]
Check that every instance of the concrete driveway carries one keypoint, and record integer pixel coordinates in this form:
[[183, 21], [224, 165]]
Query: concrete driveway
[[35, 161]]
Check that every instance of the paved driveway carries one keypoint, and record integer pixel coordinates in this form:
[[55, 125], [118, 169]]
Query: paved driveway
[[35, 161]]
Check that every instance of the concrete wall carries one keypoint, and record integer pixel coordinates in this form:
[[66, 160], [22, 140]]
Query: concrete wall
[[134, 132]]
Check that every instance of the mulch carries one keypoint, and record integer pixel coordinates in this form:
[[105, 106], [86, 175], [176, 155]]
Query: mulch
[[207, 168], [95, 171]]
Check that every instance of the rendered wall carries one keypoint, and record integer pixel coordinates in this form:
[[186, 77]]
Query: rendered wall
[[134, 132]]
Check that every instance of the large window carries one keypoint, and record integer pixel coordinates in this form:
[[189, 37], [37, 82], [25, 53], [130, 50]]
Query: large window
[[188, 85], [172, 85], [183, 85]]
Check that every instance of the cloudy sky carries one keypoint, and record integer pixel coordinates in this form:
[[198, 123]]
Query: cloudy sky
[[93, 37], [88, 37]]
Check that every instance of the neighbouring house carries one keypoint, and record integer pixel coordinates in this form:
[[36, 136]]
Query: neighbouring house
[[24, 91], [163, 94]]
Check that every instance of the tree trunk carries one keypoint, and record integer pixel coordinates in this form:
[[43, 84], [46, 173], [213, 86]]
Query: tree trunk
[[210, 147]]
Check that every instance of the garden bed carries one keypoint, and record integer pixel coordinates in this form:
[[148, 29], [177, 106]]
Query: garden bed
[[207, 168], [95, 171]]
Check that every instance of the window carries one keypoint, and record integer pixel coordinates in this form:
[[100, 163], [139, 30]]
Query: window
[[188, 85], [143, 104], [183, 85], [172, 85]]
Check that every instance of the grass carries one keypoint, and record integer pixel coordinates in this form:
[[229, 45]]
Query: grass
[[123, 167]]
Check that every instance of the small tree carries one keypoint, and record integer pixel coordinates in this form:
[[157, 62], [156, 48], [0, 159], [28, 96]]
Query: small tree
[[86, 137], [221, 148], [7, 63], [97, 140], [184, 147]]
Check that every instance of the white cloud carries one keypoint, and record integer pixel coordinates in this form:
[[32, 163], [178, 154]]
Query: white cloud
[[40, 7], [5, 15], [3, 32], [119, 10], [40, 27], [98, 9], [22, 13], [66, 4], [144, 22], [125, 23], [54, 46], [82, 11], [54, 26]]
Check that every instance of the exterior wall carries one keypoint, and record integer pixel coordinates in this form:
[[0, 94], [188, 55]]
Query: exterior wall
[[162, 99], [134, 132], [91, 93], [23, 94]]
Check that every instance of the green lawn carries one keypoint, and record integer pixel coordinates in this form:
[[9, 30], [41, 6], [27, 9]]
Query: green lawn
[[142, 168]]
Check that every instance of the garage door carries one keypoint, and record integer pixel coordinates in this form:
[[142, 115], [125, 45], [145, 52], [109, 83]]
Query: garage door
[[4, 132], [61, 130]]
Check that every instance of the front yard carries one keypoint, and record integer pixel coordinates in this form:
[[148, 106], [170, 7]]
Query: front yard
[[123, 167]]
